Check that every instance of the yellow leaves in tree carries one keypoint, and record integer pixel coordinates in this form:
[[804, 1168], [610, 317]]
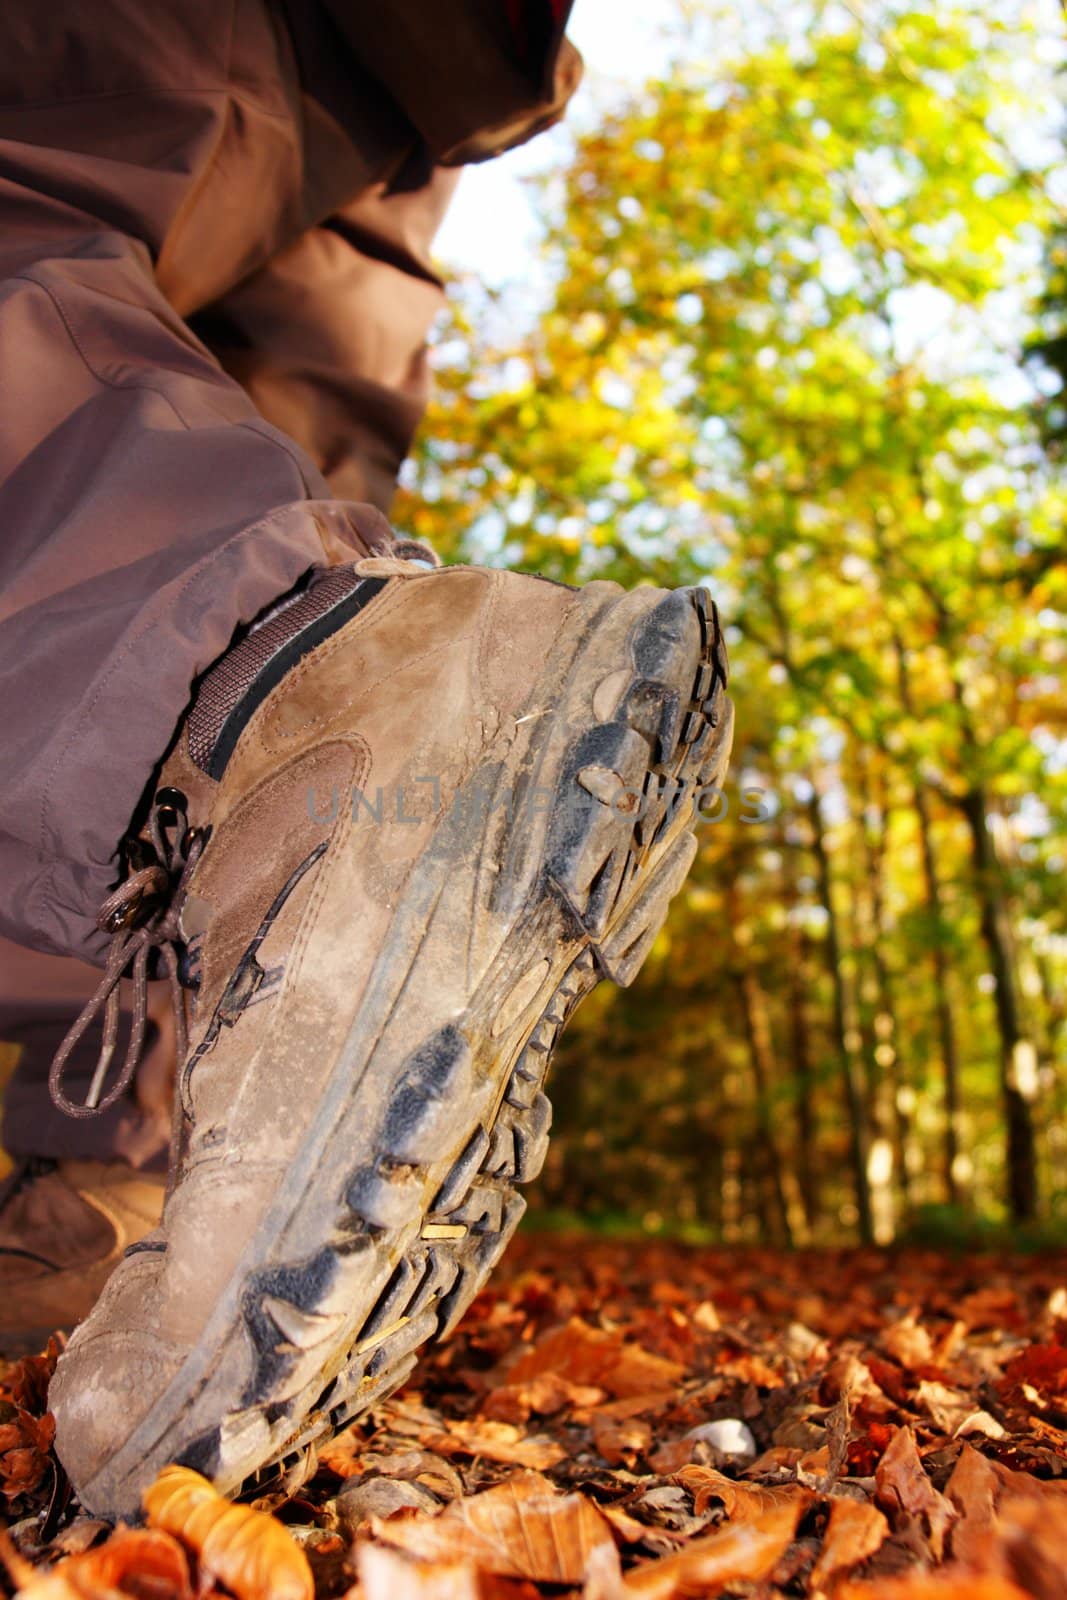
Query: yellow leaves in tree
[[247, 1551]]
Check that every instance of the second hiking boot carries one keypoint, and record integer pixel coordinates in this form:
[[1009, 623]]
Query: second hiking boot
[[411, 821]]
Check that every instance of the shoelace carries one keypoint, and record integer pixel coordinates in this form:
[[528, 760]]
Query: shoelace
[[142, 916]]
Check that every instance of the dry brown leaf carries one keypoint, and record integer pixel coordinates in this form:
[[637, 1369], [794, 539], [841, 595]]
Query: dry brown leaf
[[1029, 1544], [587, 1355], [496, 1441], [520, 1529], [25, 1382], [134, 1561], [742, 1502], [746, 1553], [343, 1455], [856, 1529], [639, 1405], [992, 1307], [909, 1343], [979, 1489], [973, 1489], [387, 1575], [619, 1443], [848, 1375], [248, 1551], [750, 1367], [672, 1455], [25, 1441], [939, 1585], [907, 1496], [629, 1529], [542, 1396]]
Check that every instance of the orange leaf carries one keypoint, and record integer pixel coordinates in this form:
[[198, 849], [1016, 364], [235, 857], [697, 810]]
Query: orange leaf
[[246, 1550], [542, 1396], [906, 1494], [385, 1575], [25, 1441], [742, 1502], [746, 1553], [495, 1441], [856, 1529], [520, 1529], [618, 1443], [139, 1561], [1042, 1367], [25, 1382], [940, 1585], [586, 1355]]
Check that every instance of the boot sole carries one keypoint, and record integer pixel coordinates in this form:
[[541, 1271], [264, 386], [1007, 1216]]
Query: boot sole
[[433, 1144]]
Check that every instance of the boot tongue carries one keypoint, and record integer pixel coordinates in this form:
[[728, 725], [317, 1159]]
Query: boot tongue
[[239, 682]]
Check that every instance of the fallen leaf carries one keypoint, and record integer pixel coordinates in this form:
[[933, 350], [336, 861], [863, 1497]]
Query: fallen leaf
[[978, 1488], [750, 1367], [856, 1529], [1040, 1369], [908, 1497], [522, 1528], [908, 1342], [746, 1553], [25, 1382], [417, 1466], [143, 1562], [705, 1316], [248, 1551], [543, 1395], [639, 1405], [25, 1441], [955, 1412], [364, 1498], [587, 1355], [620, 1443], [940, 1585], [386, 1575], [1029, 1543], [741, 1501], [496, 1441]]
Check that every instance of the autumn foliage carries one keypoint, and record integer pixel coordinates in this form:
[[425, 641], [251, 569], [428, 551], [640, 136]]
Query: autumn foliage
[[615, 1421]]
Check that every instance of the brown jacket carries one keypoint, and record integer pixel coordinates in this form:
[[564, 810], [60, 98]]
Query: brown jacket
[[215, 219]]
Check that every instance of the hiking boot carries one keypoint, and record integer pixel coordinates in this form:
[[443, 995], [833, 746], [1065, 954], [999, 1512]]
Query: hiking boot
[[411, 821], [63, 1228]]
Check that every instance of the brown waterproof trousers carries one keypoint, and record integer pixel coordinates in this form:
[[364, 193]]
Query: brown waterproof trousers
[[215, 287], [215, 218]]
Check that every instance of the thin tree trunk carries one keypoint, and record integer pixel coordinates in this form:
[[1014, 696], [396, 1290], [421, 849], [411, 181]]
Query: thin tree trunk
[[799, 965], [1018, 1057], [850, 1081], [887, 1029]]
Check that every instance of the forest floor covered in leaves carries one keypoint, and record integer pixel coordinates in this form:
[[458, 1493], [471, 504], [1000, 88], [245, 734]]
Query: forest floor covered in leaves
[[616, 1421]]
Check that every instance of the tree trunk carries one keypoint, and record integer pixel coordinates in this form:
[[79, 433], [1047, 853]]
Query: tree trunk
[[1018, 1057], [850, 1082], [955, 1190], [799, 962]]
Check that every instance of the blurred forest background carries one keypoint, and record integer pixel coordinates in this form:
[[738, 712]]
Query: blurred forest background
[[798, 330]]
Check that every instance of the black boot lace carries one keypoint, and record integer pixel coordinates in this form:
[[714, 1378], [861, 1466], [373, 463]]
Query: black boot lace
[[142, 916]]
